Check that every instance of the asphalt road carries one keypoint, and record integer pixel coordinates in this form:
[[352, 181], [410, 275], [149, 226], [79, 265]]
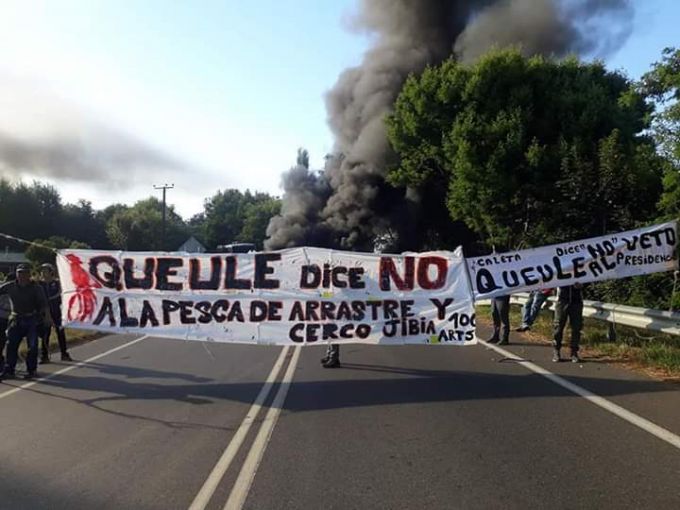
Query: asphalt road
[[144, 426]]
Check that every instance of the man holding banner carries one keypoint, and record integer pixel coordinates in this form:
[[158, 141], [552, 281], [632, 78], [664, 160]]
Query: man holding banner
[[52, 290], [572, 264], [29, 309], [500, 312], [569, 306]]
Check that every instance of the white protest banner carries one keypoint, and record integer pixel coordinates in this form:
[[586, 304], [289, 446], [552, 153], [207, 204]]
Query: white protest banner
[[635, 252], [294, 296]]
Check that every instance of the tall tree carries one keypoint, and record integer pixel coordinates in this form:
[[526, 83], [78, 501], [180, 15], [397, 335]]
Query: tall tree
[[29, 211], [233, 216], [662, 86], [256, 218], [43, 250], [139, 227], [527, 150], [81, 222], [224, 217]]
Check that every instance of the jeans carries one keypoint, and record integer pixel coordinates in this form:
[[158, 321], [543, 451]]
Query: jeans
[[500, 311], [574, 313], [19, 328], [532, 307]]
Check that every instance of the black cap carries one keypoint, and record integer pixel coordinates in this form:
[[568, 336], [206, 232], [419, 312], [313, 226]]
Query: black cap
[[23, 268]]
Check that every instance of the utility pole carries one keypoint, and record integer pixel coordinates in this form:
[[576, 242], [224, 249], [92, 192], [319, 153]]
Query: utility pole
[[164, 187]]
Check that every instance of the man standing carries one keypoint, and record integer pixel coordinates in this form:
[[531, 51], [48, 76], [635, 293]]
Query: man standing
[[28, 309], [5, 310], [569, 306], [532, 306], [500, 311], [52, 290]]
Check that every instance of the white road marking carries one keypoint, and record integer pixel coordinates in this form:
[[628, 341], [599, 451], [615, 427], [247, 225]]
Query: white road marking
[[210, 485], [624, 414], [239, 492], [71, 367]]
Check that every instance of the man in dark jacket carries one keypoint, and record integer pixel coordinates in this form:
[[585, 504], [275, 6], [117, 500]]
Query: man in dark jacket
[[28, 310], [569, 306], [52, 290]]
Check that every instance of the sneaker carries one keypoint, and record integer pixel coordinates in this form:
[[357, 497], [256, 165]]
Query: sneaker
[[8, 374], [66, 357], [523, 328], [332, 363], [30, 375], [44, 360], [556, 356], [575, 358], [493, 340], [504, 342]]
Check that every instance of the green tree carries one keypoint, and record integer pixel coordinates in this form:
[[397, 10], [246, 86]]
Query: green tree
[[224, 213], [232, 216], [256, 218], [29, 211], [43, 251], [662, 86], [527, 151], [196, 225], [139, 227], [81, 222]]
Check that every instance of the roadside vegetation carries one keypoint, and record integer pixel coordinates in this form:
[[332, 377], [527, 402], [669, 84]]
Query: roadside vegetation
[[656, 354]]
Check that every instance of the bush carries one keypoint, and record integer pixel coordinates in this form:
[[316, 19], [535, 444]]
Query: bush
[[648, 291]]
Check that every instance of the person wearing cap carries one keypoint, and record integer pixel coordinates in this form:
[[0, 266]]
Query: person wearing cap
[[28, 308], [52, 290]]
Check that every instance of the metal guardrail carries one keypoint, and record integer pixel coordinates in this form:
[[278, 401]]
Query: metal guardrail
[[643, 318]]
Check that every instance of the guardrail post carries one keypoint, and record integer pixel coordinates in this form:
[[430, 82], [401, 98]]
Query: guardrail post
[[611, 332]]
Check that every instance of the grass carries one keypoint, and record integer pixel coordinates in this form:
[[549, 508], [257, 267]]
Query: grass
[[655, 353]]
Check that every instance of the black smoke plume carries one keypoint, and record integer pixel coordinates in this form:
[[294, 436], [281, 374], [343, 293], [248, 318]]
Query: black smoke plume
[[102, 155], [349, 204]]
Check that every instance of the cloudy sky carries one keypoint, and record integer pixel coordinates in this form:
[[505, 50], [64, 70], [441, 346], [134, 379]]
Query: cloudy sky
[[104, 99]]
